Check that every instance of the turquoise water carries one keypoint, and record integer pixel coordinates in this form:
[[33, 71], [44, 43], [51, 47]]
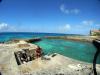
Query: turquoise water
[[6, 36], [83, 51]]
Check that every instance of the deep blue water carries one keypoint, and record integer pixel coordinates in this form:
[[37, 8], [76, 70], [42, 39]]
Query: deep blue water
[[6, 36], [83, 51]]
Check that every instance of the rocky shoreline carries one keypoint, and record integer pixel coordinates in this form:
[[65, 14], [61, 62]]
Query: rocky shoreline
[[54, 64], [75, 38], [31, 40]]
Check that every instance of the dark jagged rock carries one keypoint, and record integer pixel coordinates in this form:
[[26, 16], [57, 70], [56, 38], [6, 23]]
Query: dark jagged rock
[[97, 45], [27, 40], [14, 40], [33, 40], [27, 55]]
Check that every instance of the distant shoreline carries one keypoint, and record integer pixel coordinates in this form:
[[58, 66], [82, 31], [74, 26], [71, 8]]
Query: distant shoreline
[[74, 38]]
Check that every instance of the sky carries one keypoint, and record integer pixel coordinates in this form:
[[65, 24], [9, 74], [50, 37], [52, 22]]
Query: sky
[[50, 16]]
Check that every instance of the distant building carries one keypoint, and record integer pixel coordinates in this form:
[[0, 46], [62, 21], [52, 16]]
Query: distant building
[[95, 32]]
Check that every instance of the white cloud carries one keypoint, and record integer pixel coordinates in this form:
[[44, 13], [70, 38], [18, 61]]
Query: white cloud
[[98, 25], [6, 27], [3, 26], [64, 28], [83, 27], [67, 26], [76, 11], [88, 22], [69, 11], [62, 8]]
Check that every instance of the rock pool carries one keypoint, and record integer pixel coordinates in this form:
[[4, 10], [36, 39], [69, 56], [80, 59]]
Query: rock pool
[[83, 51]]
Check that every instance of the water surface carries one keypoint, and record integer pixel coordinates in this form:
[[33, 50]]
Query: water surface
[[83, 51]]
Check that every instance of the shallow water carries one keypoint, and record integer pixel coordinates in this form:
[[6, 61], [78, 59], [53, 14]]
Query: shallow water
[[83, 51]]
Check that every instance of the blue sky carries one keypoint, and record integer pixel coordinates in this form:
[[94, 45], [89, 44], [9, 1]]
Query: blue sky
[[51, 16]]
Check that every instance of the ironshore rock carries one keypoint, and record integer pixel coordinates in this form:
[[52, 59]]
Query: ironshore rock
[[57, 65]]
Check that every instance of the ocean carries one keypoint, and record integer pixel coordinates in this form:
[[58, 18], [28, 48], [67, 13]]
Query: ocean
[[83, 51]]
